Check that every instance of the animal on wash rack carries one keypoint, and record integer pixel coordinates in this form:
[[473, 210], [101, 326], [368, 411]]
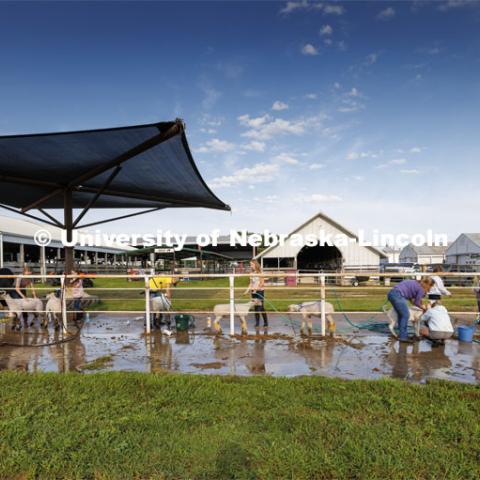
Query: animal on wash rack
[[241, 309], [415, 315], [310, 309], [18, 306]]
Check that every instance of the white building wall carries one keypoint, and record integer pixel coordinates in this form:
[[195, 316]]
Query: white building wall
[[463, 252], [353, 254]]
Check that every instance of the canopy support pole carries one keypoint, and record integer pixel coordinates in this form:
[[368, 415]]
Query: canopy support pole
[[68, 222]]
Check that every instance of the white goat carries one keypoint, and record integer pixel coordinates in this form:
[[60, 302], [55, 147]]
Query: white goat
[[241, 309], [415, 316], [18, 306], [310, 309]]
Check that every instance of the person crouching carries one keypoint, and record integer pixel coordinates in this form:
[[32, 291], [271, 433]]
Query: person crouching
[[438, 326]]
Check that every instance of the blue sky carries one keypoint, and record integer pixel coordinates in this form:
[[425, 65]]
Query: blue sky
[[368, 111]]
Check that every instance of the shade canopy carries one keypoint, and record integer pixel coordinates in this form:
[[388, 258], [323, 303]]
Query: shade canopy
[[145, 166]]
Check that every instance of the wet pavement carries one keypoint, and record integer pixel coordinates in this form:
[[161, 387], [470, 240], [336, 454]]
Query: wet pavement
[[117, 342]]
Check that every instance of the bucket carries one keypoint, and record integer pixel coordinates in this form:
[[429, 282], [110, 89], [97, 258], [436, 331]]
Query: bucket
[[465, 333], [183, 322]]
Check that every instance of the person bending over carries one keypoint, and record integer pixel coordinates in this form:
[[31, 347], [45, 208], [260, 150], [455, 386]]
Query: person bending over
[[401, 294]]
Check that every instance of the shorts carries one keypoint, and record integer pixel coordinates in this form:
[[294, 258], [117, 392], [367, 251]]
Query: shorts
[[434, 296], [434, 335]]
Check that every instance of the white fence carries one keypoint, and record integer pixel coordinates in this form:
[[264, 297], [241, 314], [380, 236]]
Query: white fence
[[320, 285]]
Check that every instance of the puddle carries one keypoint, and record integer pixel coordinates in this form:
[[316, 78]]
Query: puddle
[[117, 342]]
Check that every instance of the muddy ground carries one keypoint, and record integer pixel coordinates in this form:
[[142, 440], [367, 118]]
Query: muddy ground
[[117, 342]]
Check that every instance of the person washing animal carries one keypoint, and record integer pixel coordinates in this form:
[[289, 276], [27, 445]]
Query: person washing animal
[[438, 326], [399, 296]]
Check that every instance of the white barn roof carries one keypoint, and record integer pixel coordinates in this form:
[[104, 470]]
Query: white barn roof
[[279, 251], [16, 230]]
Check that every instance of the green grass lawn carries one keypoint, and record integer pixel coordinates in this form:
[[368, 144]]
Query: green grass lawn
[[146, 426], [204, 294]]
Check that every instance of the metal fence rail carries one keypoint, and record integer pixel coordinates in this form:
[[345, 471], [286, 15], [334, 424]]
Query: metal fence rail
[[229, 292]]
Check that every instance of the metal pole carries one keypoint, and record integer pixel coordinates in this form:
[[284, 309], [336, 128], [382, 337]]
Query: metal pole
[[231, 279], [68, 222], [147, 304], [1, 250], [322, 303], [63, 281]]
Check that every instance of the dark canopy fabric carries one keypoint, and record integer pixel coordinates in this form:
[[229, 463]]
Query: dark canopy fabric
[[151, 166]]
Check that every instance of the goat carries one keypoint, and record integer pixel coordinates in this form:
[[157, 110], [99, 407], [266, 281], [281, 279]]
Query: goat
[[240, 309], [309, 309]]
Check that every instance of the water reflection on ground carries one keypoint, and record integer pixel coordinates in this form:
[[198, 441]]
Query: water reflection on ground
[[119, 340]]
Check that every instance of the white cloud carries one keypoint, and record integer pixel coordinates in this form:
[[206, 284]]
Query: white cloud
[[334, 9], [326, 30], [317, 198], [258, 173], [371, 59], [293, 6], [353, 92], [390, 163], [415, 150], [286, 158], [309, 49], [358, 178], [216, 146], [316, 166], [278, 106], [450, 4], [311, 96], [267, 127], [255, 146], [356, 155], [386, 14], [410, 171]]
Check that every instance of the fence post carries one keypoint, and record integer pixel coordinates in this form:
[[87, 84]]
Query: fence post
[[322, 304], [63, 282], [231, 279], [147, 305]]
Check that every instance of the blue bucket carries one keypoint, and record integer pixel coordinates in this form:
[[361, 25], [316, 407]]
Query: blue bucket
[[465, 333]]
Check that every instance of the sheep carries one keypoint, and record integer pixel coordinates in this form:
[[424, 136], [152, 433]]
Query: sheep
[[309, 309], [415, 317], [53, 306], [240, 309], [18, 306]]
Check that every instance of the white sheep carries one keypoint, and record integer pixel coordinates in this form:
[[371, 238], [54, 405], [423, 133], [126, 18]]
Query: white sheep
[[240, 309], [159, 305], [310, 309], [415, 318], [53, 306], [18, 306]]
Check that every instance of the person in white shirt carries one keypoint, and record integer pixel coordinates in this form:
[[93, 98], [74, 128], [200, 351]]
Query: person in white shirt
[[438, 289], [438, 325]]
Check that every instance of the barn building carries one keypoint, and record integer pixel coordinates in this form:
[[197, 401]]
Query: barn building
[[423, 254], [465, 250], [321, 257]]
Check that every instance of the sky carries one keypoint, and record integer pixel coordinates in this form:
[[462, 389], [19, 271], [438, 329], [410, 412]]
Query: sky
[[366, 111]]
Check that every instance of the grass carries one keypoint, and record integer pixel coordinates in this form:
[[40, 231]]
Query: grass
[[145, 426]]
